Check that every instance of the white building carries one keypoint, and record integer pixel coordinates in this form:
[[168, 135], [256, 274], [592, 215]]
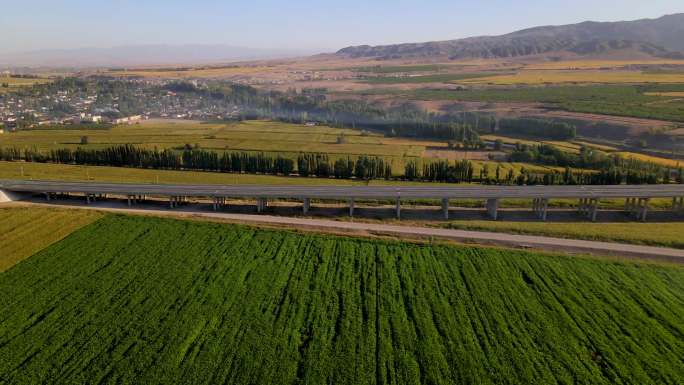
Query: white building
[[129, 119]]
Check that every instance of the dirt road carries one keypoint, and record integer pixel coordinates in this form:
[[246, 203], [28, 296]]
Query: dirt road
[[408, 232]]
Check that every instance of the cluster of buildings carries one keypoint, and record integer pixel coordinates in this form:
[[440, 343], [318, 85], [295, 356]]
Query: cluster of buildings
[[137, 101]]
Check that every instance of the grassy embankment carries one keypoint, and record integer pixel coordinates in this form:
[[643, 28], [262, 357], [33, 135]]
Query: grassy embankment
[[653, 234], [131, 299]]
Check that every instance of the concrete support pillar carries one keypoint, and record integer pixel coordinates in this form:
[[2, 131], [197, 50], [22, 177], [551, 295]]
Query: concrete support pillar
[[129, 200], [398, 208], [445, 208], [493, 208], [593, 209], [678, 204], [47, 196], [539, 206], [544, 209], [215, 203], [306, 205], [351, 207], [642, 211], [172, 202], [262, 203], [87, 196], [219, 202]]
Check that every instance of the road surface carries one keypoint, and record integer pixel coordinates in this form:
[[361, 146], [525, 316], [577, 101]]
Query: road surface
[[347, 192]]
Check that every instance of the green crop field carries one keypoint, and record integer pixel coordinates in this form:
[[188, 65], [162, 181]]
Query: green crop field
[[145, 300], [25, 231], [622, 100]]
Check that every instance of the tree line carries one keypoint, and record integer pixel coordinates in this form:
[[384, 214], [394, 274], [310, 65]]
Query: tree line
[[538, 128], [320, 165], [307, 164], [587, 158]]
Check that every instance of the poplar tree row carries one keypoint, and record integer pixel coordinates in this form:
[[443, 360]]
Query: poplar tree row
[[319, 165], [365, 167]]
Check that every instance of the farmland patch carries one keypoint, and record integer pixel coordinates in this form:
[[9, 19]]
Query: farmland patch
[[130, 299]]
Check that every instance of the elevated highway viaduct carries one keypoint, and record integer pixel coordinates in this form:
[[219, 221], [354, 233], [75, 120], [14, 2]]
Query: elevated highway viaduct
[[636, 198]]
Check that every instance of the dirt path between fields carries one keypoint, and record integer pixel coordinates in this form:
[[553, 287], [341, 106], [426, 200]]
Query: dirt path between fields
[[404, 232]]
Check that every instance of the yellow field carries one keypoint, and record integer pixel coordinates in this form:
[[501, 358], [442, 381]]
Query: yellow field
[[25, 231], [191, 73], [508, 140], [653, 159], [584, 76], [666, 94], [263, 136], [601, 147], [15, 83], [567, 146]]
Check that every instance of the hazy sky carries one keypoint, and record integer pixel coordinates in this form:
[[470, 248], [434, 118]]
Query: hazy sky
[[307, 24]]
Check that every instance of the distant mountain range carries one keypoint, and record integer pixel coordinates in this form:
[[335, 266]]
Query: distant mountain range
[[142, 55], [662, 37]]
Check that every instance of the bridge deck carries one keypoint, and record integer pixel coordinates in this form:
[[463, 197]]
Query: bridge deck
[[347, 192]]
